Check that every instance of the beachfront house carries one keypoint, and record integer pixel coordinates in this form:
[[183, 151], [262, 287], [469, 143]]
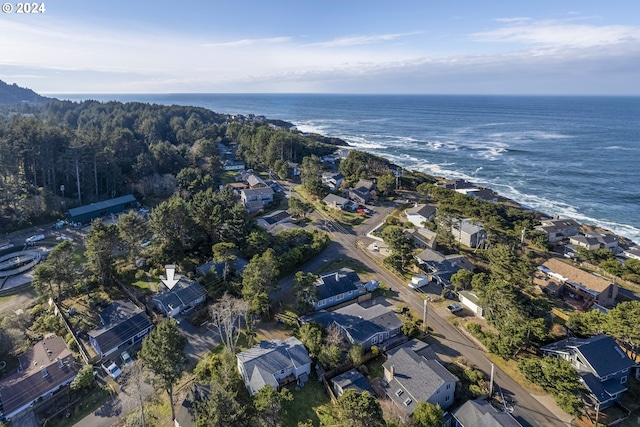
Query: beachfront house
[[558, 229], [468, 232]]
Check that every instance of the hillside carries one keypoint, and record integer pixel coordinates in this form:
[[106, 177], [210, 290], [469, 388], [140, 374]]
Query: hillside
[[14, 94]]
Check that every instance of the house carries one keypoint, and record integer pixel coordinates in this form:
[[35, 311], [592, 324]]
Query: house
[[468, 233], [360, 195], [593, 241], [441, 267], [603, 366], [255, 199], [332, 180], [351, 379], [375, 325], [472, 302], [480, 413], [421, 213], [233, 165], [410, 378], [184, 295], [255, 181], [274, 363], [186, 415], [423, 238], [274, 218], [367, 184], [122, 324], [43, 370], [293, 168], [558, 229], [237, 187], [337, 202], [484, 194], [455, 184], [580, 286], [337, 287], [633, 253]]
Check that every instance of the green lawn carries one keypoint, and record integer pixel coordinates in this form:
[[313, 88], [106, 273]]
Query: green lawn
[[343, 263], [310, 402]]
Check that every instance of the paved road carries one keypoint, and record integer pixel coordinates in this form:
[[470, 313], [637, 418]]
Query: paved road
[[527, 409]]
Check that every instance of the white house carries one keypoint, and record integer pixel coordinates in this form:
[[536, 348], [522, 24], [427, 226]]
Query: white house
[[420, 214], [332, 180], [471, 301]]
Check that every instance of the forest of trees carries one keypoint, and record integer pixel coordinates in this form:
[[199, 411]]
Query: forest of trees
[[65, 154]]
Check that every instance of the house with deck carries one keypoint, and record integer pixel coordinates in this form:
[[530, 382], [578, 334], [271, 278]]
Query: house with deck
[[581, 288], [558, 229], [603, 366], [332, 180], [255, 199], [274, 363]]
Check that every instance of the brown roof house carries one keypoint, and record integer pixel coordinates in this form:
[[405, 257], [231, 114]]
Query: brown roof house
[[580, 285], [43, 370]]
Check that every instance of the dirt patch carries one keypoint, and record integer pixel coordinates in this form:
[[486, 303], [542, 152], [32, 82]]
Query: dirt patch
[[272, 331], [24, 300]]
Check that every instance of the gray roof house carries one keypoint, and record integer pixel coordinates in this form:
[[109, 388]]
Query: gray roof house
[[593, 241], [420, 213], [375, 325], [360, 195], [186, 415], [337, 202], [122, 324], [255, 181], [351, 379], [337, 287], [410, 378], [467, 232], [185, 294], [441, 267], [422, 237], [558, 229], [269, 221], [274, 363], [480, 413], [604, 367], [255, 199], [44, 369]]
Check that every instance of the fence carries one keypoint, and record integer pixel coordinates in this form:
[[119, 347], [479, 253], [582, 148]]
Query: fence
[[66, 324]]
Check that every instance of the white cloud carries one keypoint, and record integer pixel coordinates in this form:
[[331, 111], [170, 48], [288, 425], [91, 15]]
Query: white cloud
[[554, 33], [360, 40], [248, 42]]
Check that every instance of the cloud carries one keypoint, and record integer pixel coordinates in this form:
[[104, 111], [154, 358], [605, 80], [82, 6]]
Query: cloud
[[360, 40], [555, 33], [249, 42]]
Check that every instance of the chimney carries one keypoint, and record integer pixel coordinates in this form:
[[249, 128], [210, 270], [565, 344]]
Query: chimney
[[337, 276], [390, 373], [60, 364]]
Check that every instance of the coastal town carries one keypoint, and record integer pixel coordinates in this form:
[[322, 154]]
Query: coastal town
[[263, 276]]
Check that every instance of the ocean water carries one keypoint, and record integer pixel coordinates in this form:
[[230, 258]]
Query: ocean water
[[578, 157]]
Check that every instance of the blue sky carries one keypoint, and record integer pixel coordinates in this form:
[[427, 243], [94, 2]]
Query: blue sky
[[439, 47]]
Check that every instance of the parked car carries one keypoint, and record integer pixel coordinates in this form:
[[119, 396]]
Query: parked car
[[126, 358], [31, 240], [454, 308], [111, 369]]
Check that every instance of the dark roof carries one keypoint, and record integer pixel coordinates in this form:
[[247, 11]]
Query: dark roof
[[47, 365], [338, 282], [480, 413], [275, 217], [186, 415], [185, 292], [355, 380], [121, 322], [268, 357], [424, 210], [333, 199], [359, 322], [260, 191], [602, 353], [98, 206], [367, 184]]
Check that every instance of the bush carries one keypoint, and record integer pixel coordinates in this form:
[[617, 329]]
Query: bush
[[140, 275], [375, 351], [475, 329]]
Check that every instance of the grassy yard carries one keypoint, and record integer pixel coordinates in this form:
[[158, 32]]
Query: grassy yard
[[310, 402], [344, 263]]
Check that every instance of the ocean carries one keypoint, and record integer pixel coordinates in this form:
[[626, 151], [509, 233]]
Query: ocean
[[577, 157]]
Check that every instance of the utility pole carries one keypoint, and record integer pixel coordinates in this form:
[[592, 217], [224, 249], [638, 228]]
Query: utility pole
[[424, 313], [491, 381]]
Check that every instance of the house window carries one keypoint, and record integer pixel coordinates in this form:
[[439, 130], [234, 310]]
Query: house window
[[339, 297], [438, 391], [350, 293], [407, 402], [399, 392], [446, 399], [374, 340], [623, 380], [330, 298], [448, 386]]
